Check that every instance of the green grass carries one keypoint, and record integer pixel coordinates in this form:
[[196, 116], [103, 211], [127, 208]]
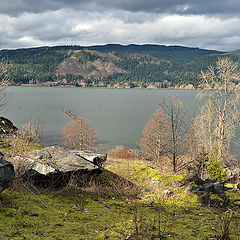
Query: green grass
[[88, 216]]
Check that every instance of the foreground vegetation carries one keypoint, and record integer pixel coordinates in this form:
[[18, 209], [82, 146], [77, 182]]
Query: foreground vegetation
[[136, 196], [152, 208]]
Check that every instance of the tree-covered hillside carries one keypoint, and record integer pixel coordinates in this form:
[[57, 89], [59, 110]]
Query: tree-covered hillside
[[25, 65], [178, 54], [110, 65]]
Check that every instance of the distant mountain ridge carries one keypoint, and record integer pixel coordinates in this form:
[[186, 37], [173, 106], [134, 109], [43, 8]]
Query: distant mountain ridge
[[111, 65], [179, 54]]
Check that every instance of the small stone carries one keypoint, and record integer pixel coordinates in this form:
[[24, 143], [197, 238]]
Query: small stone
[[219, 188], [33, 214], [204, 199], [175, 214], [193, 177], [84, 209], [166, 192], [155, 182], [188, 188], [176, 184], [208, 187], [147, 190], [107, 207]]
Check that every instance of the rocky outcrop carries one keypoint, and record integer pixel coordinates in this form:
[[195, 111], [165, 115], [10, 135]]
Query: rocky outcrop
[[6, 126], [210, 192], [7, 174], [55, 165]]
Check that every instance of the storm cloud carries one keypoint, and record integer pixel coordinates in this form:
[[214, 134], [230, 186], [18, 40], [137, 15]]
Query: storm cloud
[[207, 24]]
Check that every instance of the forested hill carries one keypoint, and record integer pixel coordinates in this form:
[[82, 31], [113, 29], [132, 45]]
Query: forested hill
[[110, 65], [178, 54]]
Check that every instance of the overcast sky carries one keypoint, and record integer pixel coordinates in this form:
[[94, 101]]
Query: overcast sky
[[209, 24]]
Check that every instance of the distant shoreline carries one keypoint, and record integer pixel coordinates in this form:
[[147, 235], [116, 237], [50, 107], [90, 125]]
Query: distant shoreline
[[188, 87]]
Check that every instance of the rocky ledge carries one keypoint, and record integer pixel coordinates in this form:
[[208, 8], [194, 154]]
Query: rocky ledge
[[54, 166]]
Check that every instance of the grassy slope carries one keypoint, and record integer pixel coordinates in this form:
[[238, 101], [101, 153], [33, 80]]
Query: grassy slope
[[107, 215]]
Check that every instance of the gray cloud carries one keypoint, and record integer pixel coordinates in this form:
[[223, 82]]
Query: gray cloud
[[158, 6], [206, 24]]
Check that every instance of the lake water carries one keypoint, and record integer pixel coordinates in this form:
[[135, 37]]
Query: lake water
[[117, 115]]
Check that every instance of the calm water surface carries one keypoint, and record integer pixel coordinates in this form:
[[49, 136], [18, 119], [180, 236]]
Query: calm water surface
[[117, 115]]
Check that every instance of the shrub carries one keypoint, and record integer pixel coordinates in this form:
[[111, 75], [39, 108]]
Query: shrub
[[215, 168], [121, 152]]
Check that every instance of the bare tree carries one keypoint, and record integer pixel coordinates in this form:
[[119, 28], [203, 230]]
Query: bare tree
[[214, 127], [174, 111], [79, 135], [4, 81], [200, 140], [154, 142], [31, 131]]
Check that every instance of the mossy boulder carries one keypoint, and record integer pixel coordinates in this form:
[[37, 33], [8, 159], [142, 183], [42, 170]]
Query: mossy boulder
[[7, 174]]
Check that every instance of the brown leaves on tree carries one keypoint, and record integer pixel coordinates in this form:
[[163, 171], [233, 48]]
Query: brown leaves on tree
[[154, 142], [79, 135]]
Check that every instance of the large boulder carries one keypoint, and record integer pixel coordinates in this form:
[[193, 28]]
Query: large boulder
[[55, 165], [7, 174], [56, 158]]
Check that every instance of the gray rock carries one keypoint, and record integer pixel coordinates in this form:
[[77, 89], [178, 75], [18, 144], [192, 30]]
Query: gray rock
[[220, 203], [167, 192], [233, 175], [205, 189], [97, 158], [57, 159], [208, 187], [209, 181], [193, 177], [189, 188], [7, 174], [147, 190], [204, 199], [55, 165], [219, 188], [176, 184], [155, 183], [238, 186], [6, 126]]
